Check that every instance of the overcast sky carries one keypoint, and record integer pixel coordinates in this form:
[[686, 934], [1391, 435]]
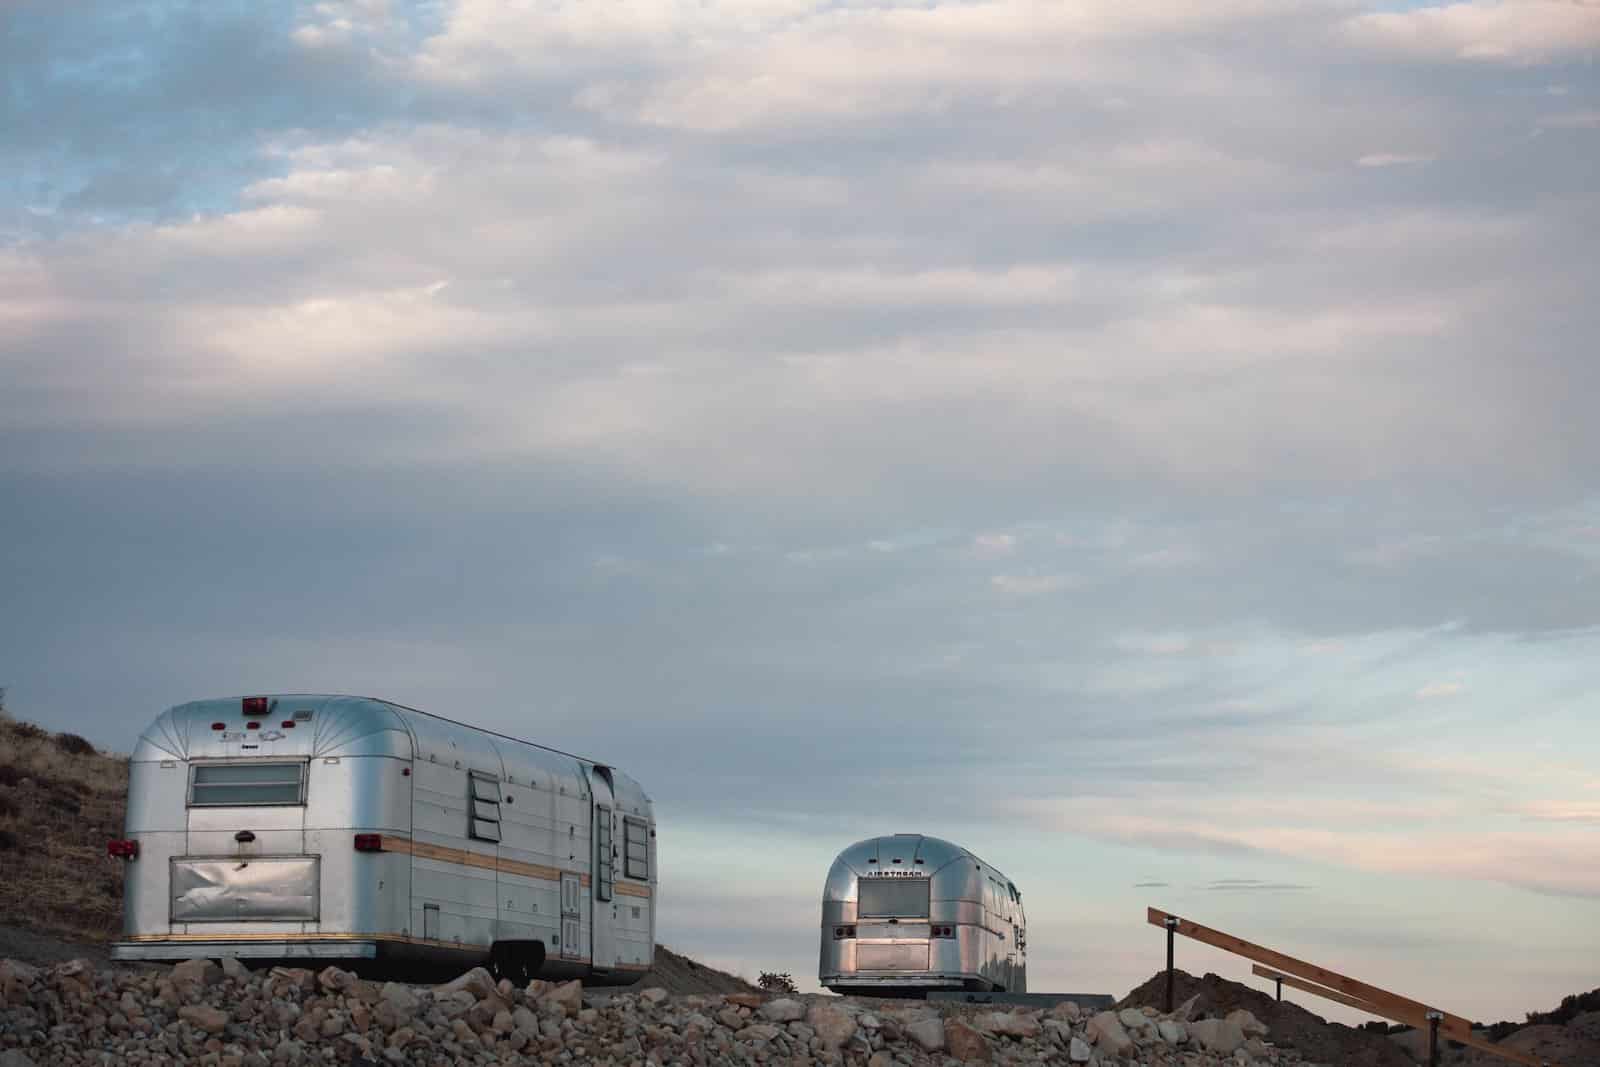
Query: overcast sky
[[1150, 444]]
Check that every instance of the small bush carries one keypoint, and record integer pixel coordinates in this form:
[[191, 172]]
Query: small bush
[[9, 841], [10, 774], [776, 983], [73, 745], [28, 731], [8, 807]]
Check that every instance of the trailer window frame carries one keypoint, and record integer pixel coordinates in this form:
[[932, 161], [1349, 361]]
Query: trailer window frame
[[605, 867], [630, 827], [201, 768], [483, 807], [889, 898]]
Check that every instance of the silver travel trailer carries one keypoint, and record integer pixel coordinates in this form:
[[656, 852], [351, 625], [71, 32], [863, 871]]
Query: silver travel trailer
[[909, 914], [352, 829]]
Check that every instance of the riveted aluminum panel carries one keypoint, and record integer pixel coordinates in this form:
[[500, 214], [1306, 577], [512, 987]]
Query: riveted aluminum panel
[[231, 890]]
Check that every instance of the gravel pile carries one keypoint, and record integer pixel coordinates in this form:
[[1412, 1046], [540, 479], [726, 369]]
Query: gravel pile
[[228, 1016]]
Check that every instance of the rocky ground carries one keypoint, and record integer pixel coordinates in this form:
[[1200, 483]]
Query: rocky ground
[[224, 1015]]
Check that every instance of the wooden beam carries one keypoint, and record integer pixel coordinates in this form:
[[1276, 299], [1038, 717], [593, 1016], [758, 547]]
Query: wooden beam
[[1390, 1003], [1420, 1023], [1291, 982]]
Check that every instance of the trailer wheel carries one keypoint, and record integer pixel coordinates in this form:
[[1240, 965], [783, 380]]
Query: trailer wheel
[[518, 961]]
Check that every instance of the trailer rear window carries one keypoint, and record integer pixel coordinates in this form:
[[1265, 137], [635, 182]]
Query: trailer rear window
[[231, 785], [892, 898]]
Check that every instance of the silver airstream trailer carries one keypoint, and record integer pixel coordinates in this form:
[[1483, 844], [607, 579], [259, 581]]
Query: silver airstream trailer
[[350, 829], [908, 914]]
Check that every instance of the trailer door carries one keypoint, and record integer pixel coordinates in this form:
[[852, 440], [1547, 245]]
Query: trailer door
[[603, 928]]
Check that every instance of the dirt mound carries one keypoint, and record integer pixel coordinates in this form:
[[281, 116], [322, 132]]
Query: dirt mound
[[680, 974], [1290, 1025], [1548, 1041]]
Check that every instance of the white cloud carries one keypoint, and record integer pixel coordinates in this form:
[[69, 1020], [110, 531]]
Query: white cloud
[[1436, 690], [1394, 159], [1575, 120], [1519, 32], [990, 545], [1031, 584]]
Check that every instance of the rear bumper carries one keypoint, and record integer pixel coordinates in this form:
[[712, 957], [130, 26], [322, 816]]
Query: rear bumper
[[309, 949], [898, 981]]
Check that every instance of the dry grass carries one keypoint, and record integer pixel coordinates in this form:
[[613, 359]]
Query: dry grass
[[59, 805]]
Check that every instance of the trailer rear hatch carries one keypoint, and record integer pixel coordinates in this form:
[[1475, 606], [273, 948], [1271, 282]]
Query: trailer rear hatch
[[245, 858], [892, 934]]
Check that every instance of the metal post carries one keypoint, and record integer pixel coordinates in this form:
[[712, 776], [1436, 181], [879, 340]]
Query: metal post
[[1433, 1018], [1172, 931], [1280, 988]]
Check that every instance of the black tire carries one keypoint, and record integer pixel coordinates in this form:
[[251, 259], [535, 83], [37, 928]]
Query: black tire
[[517, 961]]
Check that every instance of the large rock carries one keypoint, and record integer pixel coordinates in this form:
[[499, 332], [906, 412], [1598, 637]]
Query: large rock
[[1068, 1010], [1247, 1022], [15, 1058], [1106, 1032], [965, 1043], [15, 978], [568, 996], [234, 969], [1078, 1051], [479, 982], [927, 1033], [833, 1025], [1009, 1024], [400, 997], [1172, 1031], [762, 1032], [1135, 1020], [211, 1020], [335, 980], [783, 1010], [196, 972], [1217, 1035]]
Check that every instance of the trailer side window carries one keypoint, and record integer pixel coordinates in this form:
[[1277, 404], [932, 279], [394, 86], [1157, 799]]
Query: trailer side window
[[252, 784], [636, 841], [483, 823]]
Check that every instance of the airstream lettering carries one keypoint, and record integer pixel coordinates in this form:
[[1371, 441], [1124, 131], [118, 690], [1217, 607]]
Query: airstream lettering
[[909, 914], [350, 829]]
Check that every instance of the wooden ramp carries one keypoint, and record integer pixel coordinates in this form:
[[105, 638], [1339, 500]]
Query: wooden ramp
[[1352, 992]]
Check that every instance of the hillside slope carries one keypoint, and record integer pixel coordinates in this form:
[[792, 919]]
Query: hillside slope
[[60, 802]]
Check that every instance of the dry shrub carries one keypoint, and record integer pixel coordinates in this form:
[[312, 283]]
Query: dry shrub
[[27, 731], [73, 745], [10, 774]]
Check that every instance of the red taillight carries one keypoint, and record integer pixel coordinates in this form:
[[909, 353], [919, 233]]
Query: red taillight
[[287, 724], [123, 849], [254, 705], [219, 726], [369, 842], [252, 726]]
